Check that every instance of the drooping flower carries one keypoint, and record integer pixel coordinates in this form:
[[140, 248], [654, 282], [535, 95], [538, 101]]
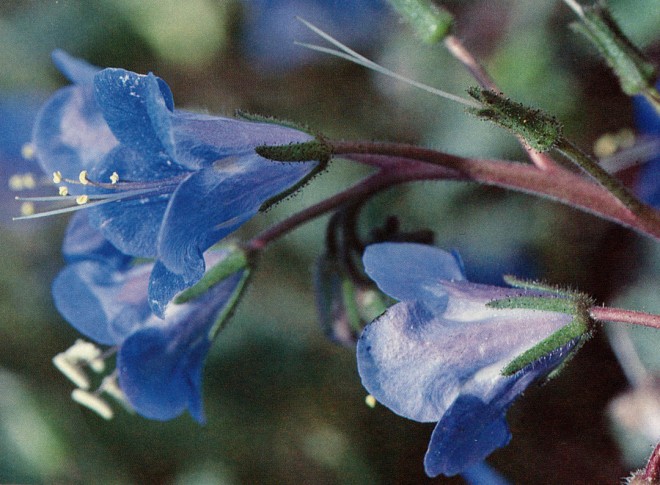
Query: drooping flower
[[438, 354], [158, 182], [159, 361]]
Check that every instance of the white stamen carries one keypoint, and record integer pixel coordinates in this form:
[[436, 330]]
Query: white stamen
[[63, 190], [93, 402], [345, 52], [71, 371], [16, 182], [370, 401], [82, 199], [82, 177], [111, 388], [114, 178], [57, 177], [88, 353]]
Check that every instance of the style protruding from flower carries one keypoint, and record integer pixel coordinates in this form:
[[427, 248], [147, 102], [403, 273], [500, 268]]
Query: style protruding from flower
[[439, 354], [159, 362], [158, 182]]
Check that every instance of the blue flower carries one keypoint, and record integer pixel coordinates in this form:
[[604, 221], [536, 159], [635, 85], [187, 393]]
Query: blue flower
[[161, 183], [159, 361], [647, 120], [437, 356]]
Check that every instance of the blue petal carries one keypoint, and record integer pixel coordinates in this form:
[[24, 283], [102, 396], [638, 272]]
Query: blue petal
[[469, 432], [100, 302], [70, 133], [84, 242], [647, 120], [213, 202], [160, 366], [408, 271], [401, 363], [482, 474], [137, 109], [202, 139], [163, 285], [76, 70], [132, 224], [161, 383]]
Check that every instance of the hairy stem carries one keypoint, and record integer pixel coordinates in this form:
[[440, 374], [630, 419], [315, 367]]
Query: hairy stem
[[562, 185], [625, 316]]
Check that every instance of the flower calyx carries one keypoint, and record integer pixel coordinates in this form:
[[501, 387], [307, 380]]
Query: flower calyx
[[548, 299], [540, 130]]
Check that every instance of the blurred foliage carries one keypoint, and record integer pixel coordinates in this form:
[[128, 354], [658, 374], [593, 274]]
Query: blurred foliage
[[283, 404]]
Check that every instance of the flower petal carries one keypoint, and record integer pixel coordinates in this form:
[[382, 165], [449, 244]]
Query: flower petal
[[402, 365], [201, 139], [137, 109], [160, 366], [408, 271], [132, 224], [215, 201], [84, 242], [76, 70], [70, 133], [100, 302], [469, 432]]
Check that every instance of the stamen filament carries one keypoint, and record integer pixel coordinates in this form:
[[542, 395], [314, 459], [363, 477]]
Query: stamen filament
[[345, 52]]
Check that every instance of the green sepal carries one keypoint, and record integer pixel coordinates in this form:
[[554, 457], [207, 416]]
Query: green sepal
[[540, 130], [431, 22], [317, 149], [228, 310], [237, 260], [575, 329], [570, 303], [636, 74], [257, 118], [548, 304], [526, 284]]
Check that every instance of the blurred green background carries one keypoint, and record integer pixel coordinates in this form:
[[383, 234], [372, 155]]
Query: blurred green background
[[283, 404]]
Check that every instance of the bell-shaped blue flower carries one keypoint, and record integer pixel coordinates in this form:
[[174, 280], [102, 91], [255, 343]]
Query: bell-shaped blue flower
[[438, 355], [159, 361], [160, 183]]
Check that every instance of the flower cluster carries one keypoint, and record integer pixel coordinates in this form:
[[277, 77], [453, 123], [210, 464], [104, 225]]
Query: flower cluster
[[439, 354], [159, 184]]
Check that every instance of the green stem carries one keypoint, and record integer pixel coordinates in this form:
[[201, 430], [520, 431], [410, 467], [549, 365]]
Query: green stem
[[600, 175]]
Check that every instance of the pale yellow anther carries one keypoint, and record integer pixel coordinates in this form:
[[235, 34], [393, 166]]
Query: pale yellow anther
[[93, 402], [82, 176], [82, 199], [27, 151], [27, 208], [28, 181], [57, 177], [16, 182], [114, 178], [370, 401], [63, 191]]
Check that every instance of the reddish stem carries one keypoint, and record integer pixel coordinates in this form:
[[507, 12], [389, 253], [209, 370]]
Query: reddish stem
[[625, 316], [561, 185]]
